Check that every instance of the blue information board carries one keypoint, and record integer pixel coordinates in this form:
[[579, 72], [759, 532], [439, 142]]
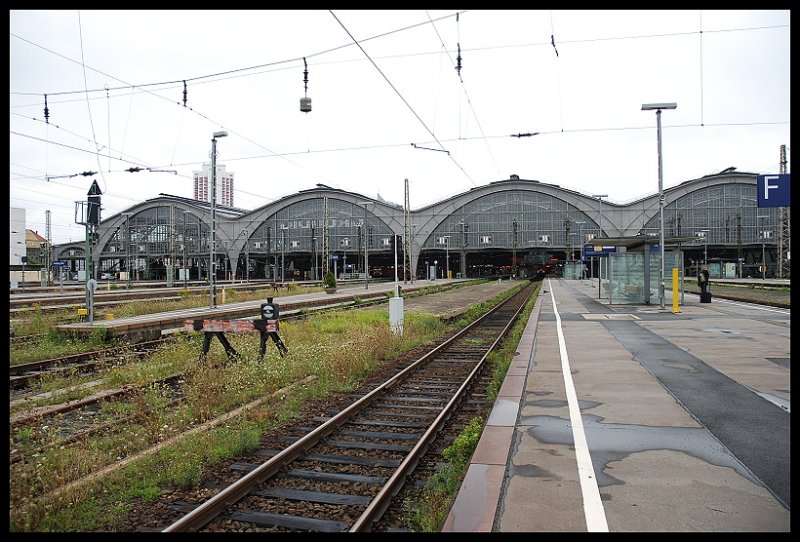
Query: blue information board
[[773, 190], [597, 250]]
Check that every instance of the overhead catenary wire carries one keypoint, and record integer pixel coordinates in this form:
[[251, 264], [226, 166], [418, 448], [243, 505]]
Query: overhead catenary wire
[[284, 61], [133, 87], [447, 140], [466, 95], [128, 159], [701, 67], [108, 118], [558, 73], [400, 95], [486, 137], [235, 70], [88, 106]]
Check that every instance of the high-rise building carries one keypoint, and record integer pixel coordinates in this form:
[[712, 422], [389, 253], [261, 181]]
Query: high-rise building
[[202, 185], [226, 182]]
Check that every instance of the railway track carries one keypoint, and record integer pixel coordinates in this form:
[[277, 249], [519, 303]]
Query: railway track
[[79, 420], [102, 296], [21, 375], [342, 474]]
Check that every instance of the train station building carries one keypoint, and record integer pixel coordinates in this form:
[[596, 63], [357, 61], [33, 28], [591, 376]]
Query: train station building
[[511, 226]]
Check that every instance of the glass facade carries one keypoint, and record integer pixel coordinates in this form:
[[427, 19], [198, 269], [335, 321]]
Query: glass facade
[[729, 212], [147, 242], [520, 218], [298, 228], [494, 229]]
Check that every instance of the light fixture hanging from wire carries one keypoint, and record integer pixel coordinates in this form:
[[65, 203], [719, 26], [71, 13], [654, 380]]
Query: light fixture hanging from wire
[[305, 102]]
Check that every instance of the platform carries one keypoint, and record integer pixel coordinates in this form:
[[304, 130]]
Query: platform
[[634, 418]]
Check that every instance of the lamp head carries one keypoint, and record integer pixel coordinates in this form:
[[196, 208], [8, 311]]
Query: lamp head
[[221, 133], [650, 107]]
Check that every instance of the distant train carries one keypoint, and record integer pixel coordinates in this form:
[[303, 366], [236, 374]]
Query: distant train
[[381, 271]]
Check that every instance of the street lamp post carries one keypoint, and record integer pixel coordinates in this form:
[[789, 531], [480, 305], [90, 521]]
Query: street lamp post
[[658, 107], [599, 198], [212, 266], [514, 247], [185, 250], [396, 283], [44, 263], [763, 248], [704, 235], [366, 250], [599, 234], [127, 249], [283, 252], [246, 234], [366, 245], [580, 224], [313, 256], [705, 248], [462, 257], [447, 254]]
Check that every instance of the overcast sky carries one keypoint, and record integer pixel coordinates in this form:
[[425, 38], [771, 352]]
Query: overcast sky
[[388, 108]]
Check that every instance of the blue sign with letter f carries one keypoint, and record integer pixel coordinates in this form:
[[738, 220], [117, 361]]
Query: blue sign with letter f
[[773, 190]]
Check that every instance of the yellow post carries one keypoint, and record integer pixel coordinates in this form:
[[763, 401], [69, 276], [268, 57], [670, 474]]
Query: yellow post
[[109, 316], [223, 296], [675, 291]]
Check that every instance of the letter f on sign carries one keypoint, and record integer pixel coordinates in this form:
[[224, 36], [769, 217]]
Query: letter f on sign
[[767, 186]]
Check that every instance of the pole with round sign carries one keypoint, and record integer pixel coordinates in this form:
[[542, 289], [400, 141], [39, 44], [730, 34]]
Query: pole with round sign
[[270, 313]]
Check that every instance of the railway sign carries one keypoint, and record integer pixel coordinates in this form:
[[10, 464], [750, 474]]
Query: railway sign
[[269, 311], [598, 250], [59, 263], [773, 190]]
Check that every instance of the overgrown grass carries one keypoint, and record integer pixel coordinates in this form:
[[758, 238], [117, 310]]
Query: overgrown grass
[[339, 349]]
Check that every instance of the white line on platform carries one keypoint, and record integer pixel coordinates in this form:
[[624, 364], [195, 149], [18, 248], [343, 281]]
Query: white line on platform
[[592, 504]]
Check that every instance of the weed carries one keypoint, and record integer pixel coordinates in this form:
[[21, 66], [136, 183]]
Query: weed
[[428, 510]]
